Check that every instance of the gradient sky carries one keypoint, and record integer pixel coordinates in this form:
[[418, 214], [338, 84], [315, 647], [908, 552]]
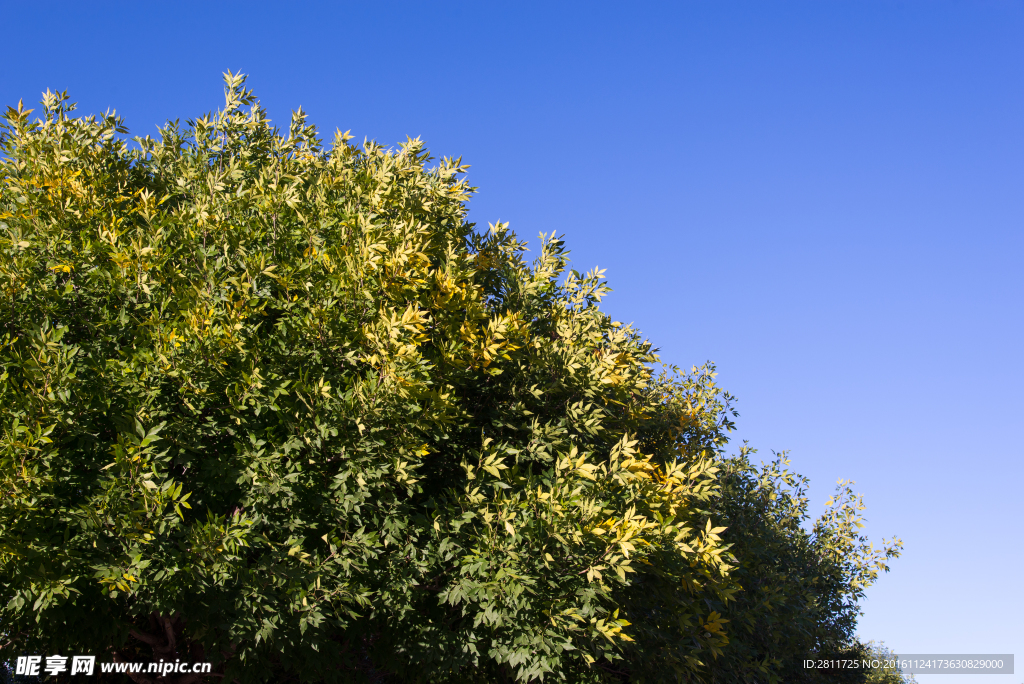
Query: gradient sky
[[824, 198]]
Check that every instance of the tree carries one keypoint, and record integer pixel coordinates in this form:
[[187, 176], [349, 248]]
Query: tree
[[880, 653], [282, 408], [800, 587]]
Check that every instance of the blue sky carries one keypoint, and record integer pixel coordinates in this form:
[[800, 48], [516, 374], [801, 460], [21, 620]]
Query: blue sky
[[824, 198]]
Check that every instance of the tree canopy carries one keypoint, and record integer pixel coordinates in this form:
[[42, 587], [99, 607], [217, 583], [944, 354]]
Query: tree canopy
[[281, 407]]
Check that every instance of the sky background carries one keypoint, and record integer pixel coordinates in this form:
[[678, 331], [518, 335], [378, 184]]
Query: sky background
[[824, 198]]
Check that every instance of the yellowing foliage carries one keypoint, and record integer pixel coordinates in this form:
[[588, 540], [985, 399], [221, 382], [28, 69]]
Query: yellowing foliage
[[284, 403]]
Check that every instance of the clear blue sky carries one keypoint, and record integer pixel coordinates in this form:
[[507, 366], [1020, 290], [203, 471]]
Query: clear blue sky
[[825, 198]]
